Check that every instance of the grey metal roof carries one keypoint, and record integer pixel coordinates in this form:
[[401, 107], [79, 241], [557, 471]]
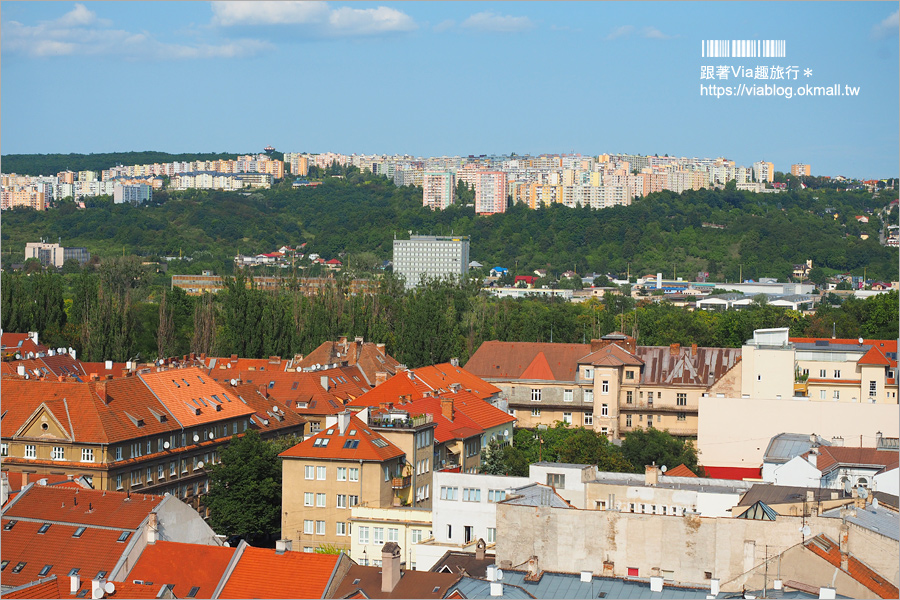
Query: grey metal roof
[[760, 511], [537, 494], [559, 464], [567, 585], [479, 588], [880, 520], [889, 499], [785, 446], [787, 494], [696, 484]]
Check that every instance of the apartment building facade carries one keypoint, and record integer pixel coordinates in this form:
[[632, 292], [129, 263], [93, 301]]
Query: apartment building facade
[[438, 189], [424, 256], [490, 192]]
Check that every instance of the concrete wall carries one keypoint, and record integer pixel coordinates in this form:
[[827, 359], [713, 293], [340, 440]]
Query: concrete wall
[[459, 513], [405, 520], [797, 472], [572, 540], [575, 491], [767, 372], [734, 432]]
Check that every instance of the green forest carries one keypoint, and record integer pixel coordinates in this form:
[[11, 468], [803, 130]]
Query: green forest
[[757, 235]]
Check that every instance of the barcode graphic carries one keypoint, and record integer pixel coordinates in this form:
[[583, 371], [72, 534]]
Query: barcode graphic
[[742, 49]]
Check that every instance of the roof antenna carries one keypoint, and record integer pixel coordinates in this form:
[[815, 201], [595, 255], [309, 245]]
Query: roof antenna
[[833, 336], [76, 500]]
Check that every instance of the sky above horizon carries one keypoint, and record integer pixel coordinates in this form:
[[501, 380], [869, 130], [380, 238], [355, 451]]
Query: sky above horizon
[[451, 78]]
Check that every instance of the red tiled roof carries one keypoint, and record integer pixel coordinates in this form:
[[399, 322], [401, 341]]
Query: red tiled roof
[[828, 549], [874, 357], [395, 389], [344, 383], [680, 471], [832, 457], [286, 416], [118, 369], [834, 381], [611, 355], [365, 355], [182, 391], [262, 573], [484, 414], [58, 587], [538, 369], [184, 565], [508, 360], [107, 509], [442, 375], [461, 427], [367, 449], [413, 584], [15, 479], [884, 346], [21, 343]]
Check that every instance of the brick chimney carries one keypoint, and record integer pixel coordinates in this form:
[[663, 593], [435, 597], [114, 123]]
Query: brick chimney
[[380, 348], [693, 349], [651, 475], [447, 408], [101, 391], [596, 345], [390, 567], [380, 377], [845, 546], [264, 391], [674, 349], [479, 549], [152, 528]]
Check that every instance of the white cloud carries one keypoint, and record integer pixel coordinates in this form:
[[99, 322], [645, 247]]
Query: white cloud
[[81, 33], [268, 13], [444, 25], [654, 34], [888, 27], [488, 21], [622, 31], [328, 21]]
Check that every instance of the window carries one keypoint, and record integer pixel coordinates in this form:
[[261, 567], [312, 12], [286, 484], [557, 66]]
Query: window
[[4, 449], [234, 428], [837, 394], [341, 474], [173, 469], [589, 396], [320, 527], [416, 535], [449, 493], [161, 472], [567, 418], [79, 532], [354, 500], [320, 500], [627, 420], [535, 395], [496, 495], [309, 526], [19, 567], [567, 396], [123, 536], [837, 373], [393, 534], [681, 399], [354, 474], [604, 388], [308, 549], [30, 451], [341, 528], [604, 410], [588, 373], [449, 532], [363, 535], [822, 394], [822, 373], [136, 477], [310, 472], [307, 499], [58, 453], [341, 501], [535, 412], [629, 397], [629, 374], [471, 495], [682, 416], [378, 535], [557, 480], [10, 525], [873, 388], [491, 535], [589, 418], [119, 482], [193, 592], [149, 475], [321, 442], [184, 465], [44, 528], [320, 473]]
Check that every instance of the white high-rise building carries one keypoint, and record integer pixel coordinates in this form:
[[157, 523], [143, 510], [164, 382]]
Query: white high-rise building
[[427, 256]]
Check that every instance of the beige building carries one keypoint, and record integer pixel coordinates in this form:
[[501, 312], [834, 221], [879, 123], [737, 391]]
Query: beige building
[[800, 170], [372, 527]]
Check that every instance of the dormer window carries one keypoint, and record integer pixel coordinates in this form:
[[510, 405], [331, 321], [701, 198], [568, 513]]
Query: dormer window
[[44, 528]]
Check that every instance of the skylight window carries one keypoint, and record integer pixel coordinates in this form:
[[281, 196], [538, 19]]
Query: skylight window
[[294, 385], [193, 592], [329, 431], [201, 379], [321, 442], [226, 397], [124, 536], [74, 571], [82, 593], [176, 383], [379, 442], [9, 525], [271, 384], [436, 589], [351, 444], [45, 570], [185, 382], [352, 432], [3, 565], [18, 568], [79, 532], [101, 573], [216, 398], [44, 528]]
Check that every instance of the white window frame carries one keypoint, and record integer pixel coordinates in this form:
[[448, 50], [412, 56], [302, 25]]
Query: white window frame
[[378, 536], [589, 418], [320, 473], [568, 396], [535, 412], [342, 473], [309, 526], [567, 418], [87, 455], [340, 528], [320, 527], [491, 535], [535, 394], [321, 500], [59, 453], [353, 474], [681, 399], [309, 499], [393, 534], [363, 534], [309, 472], [604, 387], [341, 501], [604, 410], [589, 396]]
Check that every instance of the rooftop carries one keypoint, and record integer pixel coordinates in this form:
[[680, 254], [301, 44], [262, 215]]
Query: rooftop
[[828, 549], [412, 584], [357, 442], [536, 494], [878, 519], [183, 565], [263, 573], [785, 446]]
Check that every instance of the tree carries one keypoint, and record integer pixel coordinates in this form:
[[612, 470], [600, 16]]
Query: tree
[[647, 446], [818, 276], [245, 488], [165, 334]]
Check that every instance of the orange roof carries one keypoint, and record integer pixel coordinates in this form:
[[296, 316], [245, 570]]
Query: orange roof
[[93, 508], [263, 573], [461, 427], [15, 479], [58, 587], [230, 367], [884, 345], [831, 457], [874, 357], [538, 369], [484, 414], [185, 392], [184, 565], [826, 548], [680, 471], [371, 446], [118, 369], [366, 355], [404, 385], [442, 375], [71, 403], [344, 383], [265, 418], [611, 355], [508, 360]]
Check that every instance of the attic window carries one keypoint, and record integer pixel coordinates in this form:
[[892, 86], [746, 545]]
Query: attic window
[[294, 385], [123, 536], [45, 570], [185, 382], [355, 581], [44, 528], [216, 398], [18, 568], [6, 562], [79, 532], [351, 444], [321, 442], [329, 431], [379, 442], [9, 525], [352, 432], [176, 383], [601, 595], [193, 592], [436, 589], [271, 384], [226, 397], [201, 379], [301, 405], [82, 593]]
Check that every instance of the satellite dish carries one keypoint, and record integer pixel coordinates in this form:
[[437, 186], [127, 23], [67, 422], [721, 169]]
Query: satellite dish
[[863, 492], [275, 409], [200, 464], [847, 486], [664, 468], [196, 438], [860, 341], [212, 436], [166, 445], [499, 574], [110, 587], [234, 382], [97, 593]]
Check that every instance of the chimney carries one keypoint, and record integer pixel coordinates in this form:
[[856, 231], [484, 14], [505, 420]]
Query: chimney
[[447, 408], [20, 370], [74, 584], [358, 340], [380, 348], [533, 567], [264, 391], [455, 387], [693, 349], [813, 458], [674, 349], [837, 441], [454, 362], [713, 587], [282, 546], [24, 479], [380, 377], [152, 528], [596, 345], [656, 584], [878, 439], [390, 567], [659, 281], [401, 368], [107, 365], [844, 542], [491, 572], [479, 549], [101, 391], [496, 588], [97, 590], [343, 420], [827, 593], [777, 585], [234, 357], [324, 381], [34, 337], [651, 475]]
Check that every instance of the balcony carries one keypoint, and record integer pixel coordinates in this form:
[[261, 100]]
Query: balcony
[[401, 483]]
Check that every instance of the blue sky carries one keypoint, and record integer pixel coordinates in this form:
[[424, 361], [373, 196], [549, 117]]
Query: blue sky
[[436, 78]]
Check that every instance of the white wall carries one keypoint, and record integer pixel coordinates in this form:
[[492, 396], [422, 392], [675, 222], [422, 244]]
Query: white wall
[[734, 432], [574, 486], [797, 472], [459, 513]]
